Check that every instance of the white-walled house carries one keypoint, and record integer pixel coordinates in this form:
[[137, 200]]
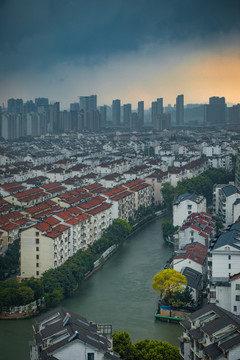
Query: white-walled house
[[198, 227], [210, 333], [186, 204], [223, 263], [224, 203], [193, 256], [62, 334]]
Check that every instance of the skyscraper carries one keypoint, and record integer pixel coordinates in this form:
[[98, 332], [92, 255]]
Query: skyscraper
[[127, 110], [141, 112], [116, 112], [54, 118], [157, 108], [180, 110], [216, 111], [87, 104]]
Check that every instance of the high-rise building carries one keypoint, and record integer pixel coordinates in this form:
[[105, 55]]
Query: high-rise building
[[103, 115], [54, 118], [15, 106], [127, 111], [140, 112], [157, 108], [180, 110], [161, 122], [41, 101], [87, 104], [216, 111], [74, 107], [116, 112]]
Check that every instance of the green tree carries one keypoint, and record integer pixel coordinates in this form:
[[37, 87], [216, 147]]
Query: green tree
[[143, 350], [168, 282], [168, 229], [122, 344], [26, 295], [168, 193]]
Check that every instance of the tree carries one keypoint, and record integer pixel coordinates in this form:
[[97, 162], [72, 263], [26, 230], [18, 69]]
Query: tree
[[122, 344], [168, 282], [168, 229], [143, 350]]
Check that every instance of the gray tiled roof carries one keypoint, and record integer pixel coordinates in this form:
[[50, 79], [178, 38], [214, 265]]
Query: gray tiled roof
[[87, 333], [186, 196], [230, 238], [229, 190]]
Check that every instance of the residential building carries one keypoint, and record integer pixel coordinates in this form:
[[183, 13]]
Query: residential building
[[210, 333], [193, 256], [223, 264], [116, 112], [198, 227], [43, 246], [62, 334], [225, 203], [180, 110], [186, 204], [216, 111]]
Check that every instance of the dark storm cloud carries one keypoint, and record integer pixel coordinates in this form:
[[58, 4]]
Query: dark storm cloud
[[39, 34]]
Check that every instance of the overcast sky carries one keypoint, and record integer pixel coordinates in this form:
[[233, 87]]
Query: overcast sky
[[127, 49]]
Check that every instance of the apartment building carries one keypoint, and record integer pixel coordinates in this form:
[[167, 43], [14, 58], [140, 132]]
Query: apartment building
[[43, 246], [225, 203]]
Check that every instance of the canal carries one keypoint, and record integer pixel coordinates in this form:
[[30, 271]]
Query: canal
[[120, 293]]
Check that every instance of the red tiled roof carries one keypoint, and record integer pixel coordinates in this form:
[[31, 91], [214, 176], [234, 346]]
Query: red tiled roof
[[115, 191], [121, 195], [98, 209], [51, 220]]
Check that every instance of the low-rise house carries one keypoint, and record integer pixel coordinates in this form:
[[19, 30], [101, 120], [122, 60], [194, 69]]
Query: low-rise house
[[210, 333], [186, 204], [62, 334], [194, 281], [198, 227], [193, 256]]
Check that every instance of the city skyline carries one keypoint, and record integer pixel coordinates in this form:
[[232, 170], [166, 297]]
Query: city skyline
[[130, 51]]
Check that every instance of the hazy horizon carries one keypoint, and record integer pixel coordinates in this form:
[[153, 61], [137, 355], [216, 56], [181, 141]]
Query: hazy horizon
[[133, 51]]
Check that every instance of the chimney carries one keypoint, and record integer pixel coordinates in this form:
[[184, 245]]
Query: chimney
[[66, 319]]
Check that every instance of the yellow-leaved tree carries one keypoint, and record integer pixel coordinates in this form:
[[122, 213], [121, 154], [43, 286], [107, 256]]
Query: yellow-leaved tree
[[168, 282]]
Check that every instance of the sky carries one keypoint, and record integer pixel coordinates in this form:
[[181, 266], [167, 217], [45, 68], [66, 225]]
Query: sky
[[131, 50]]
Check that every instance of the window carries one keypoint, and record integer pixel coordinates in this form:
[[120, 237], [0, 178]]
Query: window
[[37, 241], [90, 356], [37, 273], [229, 257], [229, 266], [235, 308], [37, 264], [237, 297], [37, 233], [37, 248], [37, 257], [237, 286]]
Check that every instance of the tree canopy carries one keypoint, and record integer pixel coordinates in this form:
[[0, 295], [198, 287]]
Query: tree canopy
[[144, 349], [168, 282], [200, 185]]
